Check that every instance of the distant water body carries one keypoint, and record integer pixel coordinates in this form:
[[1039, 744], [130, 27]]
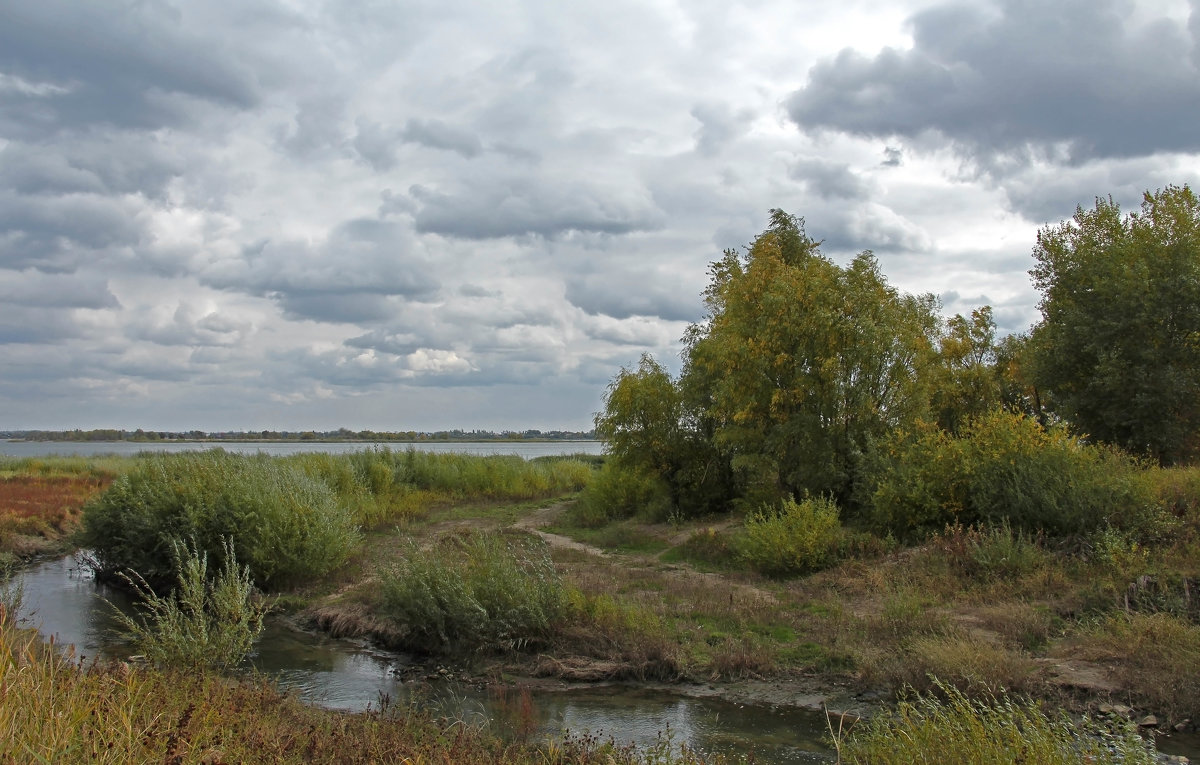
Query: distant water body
[[526, 449]]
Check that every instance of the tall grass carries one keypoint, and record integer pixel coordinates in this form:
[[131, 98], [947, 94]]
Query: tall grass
[[384, 486], [54, 466], [997, 730], [1157, 657], [285, 525], [474, 591]]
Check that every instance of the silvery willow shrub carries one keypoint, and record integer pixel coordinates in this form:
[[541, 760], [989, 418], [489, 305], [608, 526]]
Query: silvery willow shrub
[[284, 525], [475, 591]]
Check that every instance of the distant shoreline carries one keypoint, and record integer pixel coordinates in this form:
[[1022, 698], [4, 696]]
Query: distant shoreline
[[260, 439]]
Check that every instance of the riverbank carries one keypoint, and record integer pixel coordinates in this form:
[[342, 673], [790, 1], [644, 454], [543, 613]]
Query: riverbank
[[845, 639]]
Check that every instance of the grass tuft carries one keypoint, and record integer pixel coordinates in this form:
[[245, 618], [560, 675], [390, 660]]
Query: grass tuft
[[950, 727]]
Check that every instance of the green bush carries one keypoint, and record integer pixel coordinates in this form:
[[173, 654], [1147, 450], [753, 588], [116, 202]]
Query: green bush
[[620, 492], [992, 552], [285, 525], [203, 624], [475, 591], [797, 538], [1006, 468]]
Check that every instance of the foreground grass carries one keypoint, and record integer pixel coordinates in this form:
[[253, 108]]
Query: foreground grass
[[56, 710]]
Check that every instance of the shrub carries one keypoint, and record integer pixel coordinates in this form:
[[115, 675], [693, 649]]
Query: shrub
[[620, 492], [203, 624], [284, 525], [1006, 468], [797, 538], [474, 591], [987, 553], [997, 729]]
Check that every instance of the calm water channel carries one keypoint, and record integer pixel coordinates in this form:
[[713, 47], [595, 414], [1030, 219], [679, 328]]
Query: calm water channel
[[63, 601], [526, 449]]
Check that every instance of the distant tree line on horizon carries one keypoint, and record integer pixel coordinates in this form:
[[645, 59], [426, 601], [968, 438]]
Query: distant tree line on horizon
[[341, 434]]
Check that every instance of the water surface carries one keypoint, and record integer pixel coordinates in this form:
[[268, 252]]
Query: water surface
[[526, 449]]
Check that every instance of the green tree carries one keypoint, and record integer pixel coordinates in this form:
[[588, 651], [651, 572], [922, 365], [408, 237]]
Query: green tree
[[801, 363], [967, 383], [649, 429], [1118, 347]]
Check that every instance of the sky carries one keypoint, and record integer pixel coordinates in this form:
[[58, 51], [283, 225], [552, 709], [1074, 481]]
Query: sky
[[415, 215]]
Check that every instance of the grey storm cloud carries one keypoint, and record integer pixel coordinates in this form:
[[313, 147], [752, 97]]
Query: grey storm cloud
[[96, 64], [719, 126], [830, 180], [438, 135], [107, 163], [345, 278], [27, 324], [1079, 78], [183, 327], [521, 206], [35, 288], [377, 144], [395, 343], [623, 295], [57, 233]]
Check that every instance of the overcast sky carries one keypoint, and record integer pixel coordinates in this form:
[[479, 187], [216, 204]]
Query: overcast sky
[[285, 214]]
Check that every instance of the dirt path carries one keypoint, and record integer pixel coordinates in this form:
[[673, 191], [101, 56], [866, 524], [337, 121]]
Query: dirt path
[[544, 516]]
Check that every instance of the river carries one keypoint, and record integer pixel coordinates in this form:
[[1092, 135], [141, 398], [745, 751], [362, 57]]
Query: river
[[526, 449], [62, 600]]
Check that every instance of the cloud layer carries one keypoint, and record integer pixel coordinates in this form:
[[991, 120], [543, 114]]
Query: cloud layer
[[254, 214]]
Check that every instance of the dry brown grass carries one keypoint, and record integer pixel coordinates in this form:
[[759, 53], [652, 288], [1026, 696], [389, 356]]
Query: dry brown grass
[[37, 511], [1156, 658]]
